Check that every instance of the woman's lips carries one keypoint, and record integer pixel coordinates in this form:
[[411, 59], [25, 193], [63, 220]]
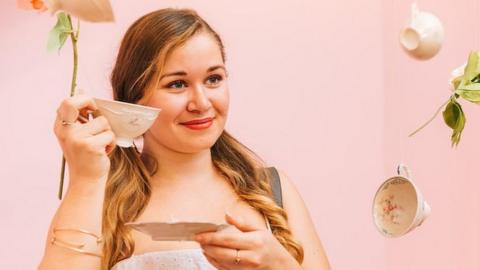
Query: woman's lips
[[198, 124]]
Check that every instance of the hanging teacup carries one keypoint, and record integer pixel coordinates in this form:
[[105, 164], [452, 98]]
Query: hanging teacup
[[398, 206], [423, 36]]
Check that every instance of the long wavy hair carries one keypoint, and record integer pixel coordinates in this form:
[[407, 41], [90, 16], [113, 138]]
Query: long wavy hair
[[141, 57]]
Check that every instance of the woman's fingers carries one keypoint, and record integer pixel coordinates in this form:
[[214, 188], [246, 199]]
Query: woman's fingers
[[213, 262], [96, 126], [226, 257], [104, 141], [85, 142], [71, 107], [234, 240], [240, 224], [73, 126], [220, 255]]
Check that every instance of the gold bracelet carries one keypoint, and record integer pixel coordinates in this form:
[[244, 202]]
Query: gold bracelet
[[99, 238], [77, 247]]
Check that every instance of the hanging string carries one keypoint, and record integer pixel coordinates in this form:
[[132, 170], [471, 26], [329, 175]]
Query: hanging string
[[396, 23], [401, 22], [474, 24]]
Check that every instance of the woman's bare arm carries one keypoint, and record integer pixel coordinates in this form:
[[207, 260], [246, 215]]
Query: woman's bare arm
[[85, 145], [81, 209], [302, 227]]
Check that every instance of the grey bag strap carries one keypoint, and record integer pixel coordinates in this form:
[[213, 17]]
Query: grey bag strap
[[276, 186]]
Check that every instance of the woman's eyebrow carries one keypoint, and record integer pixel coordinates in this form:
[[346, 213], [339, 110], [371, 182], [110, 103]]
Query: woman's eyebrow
[[183, 73], [210, 69]]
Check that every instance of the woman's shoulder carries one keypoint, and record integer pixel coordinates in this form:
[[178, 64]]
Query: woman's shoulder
[[302, 225], [290, 196], [283, 189], [293, 203]]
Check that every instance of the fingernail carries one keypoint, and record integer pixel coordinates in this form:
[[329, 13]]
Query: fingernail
[[198, 238]]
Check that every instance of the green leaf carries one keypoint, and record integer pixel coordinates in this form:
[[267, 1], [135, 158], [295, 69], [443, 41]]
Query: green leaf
[[450, 115], [457, 133], [470, 92], [470, 87], [59, 33], [472, 96], [454, 118], [472, 69], [456, 82]]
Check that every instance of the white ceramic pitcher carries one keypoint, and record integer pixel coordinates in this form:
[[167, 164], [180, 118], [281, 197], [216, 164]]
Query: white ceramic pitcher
[[423, 35]]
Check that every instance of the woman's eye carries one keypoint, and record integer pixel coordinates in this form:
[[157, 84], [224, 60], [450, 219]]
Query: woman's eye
[[214, 79], [176, 84]]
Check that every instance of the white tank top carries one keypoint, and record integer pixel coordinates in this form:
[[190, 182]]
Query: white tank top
[[180, 259]]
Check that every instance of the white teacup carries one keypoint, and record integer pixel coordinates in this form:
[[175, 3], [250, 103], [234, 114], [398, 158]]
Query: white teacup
[[398, 206], [423, 36], [127, 120]]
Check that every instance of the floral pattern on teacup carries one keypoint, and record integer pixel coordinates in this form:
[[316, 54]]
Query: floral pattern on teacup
[[391, 210]]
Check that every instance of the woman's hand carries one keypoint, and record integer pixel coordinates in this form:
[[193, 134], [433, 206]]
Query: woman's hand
[[85, 144], [245, 247]]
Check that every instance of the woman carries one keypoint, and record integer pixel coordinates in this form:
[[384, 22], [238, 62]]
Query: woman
[[190, 168]]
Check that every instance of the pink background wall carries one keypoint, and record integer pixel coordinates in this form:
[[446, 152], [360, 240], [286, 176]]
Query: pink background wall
[[336, 140]]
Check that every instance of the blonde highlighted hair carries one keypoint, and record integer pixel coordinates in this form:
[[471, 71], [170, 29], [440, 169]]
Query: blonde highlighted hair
[[142, 54]]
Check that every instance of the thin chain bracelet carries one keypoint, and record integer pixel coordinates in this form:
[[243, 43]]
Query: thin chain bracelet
[[77, 247]]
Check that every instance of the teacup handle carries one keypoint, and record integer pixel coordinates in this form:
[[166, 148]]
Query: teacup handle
[[403, 170]]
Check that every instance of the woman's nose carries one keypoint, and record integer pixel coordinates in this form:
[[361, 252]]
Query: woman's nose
[[199, 100]]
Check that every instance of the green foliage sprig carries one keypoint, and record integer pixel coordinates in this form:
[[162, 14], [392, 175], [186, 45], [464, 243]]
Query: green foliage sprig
[[467, 87]]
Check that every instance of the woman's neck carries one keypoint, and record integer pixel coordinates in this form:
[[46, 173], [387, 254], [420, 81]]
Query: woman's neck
[[174, 166]]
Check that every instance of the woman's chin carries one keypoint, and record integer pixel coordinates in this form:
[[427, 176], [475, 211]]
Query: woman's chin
[[196, 145]]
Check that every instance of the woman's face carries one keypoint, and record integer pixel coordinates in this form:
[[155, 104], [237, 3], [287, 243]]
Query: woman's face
[[192, 86]]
